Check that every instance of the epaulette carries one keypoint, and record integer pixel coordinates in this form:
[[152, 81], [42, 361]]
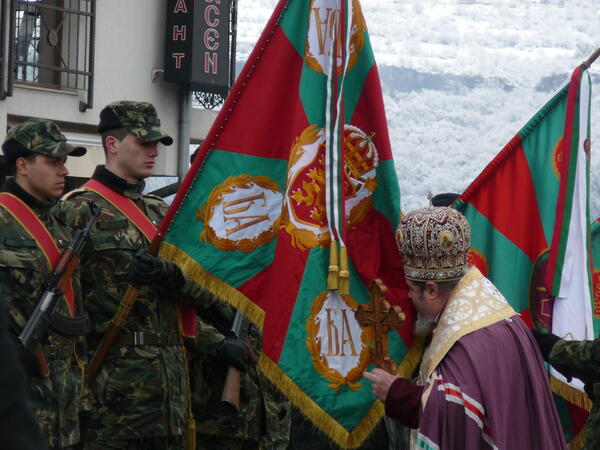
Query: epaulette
[[70, 194], [155, 197]]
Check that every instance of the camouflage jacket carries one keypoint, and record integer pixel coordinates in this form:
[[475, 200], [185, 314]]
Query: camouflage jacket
[[581, 359], [57, 399], [264, 416], [141, 390]]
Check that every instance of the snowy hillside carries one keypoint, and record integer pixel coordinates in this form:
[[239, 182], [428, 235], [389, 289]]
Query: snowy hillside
[[461, 77]]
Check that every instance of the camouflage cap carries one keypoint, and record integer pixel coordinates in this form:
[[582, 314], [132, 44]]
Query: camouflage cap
[[138, 118], [38, 136]]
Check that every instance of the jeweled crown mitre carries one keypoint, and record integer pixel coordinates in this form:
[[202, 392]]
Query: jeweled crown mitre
[[434, 243]]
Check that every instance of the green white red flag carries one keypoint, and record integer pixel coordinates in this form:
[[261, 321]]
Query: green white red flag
[[529, 214], [289, 212]]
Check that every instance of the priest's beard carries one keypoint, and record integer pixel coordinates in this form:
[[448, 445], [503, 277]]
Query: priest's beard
[[423, 326]]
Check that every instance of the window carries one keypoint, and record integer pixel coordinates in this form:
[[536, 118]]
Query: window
[[53, 45]]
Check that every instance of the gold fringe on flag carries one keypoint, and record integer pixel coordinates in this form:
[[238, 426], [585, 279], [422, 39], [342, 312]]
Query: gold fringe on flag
[[315, 413], [212, 284], [344, 279], [334, 268], [570, 394]]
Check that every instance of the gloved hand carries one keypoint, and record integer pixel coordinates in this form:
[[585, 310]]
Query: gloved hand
[[545, 342], [149, 270], [234, 352]]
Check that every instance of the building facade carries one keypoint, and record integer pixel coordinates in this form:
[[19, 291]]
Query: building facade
[[64, 60]]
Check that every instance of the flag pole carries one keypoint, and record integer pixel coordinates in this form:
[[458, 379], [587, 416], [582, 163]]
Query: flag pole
[[588, 62]]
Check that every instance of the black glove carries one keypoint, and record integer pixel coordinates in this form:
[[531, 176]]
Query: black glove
[[149, 270], [234, 352], [545, 342]]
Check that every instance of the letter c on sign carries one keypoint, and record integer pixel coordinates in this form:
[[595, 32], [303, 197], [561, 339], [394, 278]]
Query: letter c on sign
[[210, 39], [211, 21]]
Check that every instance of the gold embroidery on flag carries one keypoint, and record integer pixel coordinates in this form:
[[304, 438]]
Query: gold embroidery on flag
[[304, 217], [324, 30], [243, 213], [337, 336]]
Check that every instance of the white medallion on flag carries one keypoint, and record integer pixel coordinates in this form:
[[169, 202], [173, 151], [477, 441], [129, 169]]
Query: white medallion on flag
[[304, 217], [323, 30], [242, 213], [338, 345]]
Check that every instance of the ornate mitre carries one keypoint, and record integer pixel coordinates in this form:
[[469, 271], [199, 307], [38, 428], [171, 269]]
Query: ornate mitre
[[434, 243]]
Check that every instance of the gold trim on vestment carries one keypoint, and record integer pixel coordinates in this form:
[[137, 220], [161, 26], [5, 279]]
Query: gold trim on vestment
[[474, 303]]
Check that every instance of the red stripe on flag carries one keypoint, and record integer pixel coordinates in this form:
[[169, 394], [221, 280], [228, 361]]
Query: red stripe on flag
[[566, 143], [282, 278], [369, 114], [505, 194], [270, 133], [379, 259]]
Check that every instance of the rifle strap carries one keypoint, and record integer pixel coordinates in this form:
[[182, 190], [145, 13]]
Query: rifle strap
[[32, 224], [127, 207]]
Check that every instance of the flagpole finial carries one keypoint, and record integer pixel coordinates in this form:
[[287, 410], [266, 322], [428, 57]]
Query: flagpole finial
[[588, 62]]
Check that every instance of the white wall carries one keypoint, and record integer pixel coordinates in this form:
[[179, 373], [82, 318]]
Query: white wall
[[129, 47]]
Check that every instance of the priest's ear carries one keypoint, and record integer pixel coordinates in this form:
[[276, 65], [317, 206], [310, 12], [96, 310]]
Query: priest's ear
[[432, 289]]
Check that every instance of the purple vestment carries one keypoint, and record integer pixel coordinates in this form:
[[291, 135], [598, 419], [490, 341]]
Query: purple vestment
[[489, 391]]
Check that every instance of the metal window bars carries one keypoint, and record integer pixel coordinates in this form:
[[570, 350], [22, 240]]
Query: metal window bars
[[52, 45]]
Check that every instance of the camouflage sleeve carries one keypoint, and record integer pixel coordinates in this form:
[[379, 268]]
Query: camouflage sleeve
[[579, 359], [73, 209], [207, 339]]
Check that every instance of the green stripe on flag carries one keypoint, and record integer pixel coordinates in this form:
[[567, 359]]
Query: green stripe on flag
[[295, 357], [386, 198], [539, 137], [295, 29], [355, 79], [508, 267], [182, 233]]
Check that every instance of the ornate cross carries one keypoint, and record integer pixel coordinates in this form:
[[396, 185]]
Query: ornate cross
[[382, 317]]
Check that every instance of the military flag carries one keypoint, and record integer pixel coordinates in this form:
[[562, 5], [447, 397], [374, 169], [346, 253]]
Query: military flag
[[529, 214], [289, 212]]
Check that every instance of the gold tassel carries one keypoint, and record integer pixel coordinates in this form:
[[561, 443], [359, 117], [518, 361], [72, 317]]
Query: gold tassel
[[344, 280], [190, 435], [334, 268]]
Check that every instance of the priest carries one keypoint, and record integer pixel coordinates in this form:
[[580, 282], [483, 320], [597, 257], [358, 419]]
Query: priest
[[482, 382]]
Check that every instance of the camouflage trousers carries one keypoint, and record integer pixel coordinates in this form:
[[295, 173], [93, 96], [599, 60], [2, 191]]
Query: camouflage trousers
[[592, 426], [149, 443]]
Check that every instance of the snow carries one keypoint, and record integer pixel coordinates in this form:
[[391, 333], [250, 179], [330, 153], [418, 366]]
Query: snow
[[460, 78]]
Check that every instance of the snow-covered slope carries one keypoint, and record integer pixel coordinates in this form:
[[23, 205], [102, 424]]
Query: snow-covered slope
[[461, 77]]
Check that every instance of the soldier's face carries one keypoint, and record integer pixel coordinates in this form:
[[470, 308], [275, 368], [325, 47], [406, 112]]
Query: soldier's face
[[133, 158], [42, 177]]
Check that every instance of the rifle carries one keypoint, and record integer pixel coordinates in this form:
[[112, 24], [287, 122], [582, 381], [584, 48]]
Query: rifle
[[118, 322], [241, 329], [44, 315]]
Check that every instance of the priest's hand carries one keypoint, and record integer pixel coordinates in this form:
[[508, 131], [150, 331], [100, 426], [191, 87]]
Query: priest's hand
[[380, 382], [545, 342]]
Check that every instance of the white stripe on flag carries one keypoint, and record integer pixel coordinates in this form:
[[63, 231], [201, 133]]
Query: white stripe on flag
[[572, 315]]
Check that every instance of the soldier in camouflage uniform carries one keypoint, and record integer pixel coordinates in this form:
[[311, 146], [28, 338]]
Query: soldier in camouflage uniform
[[37, 150], [263, 421], [579, 359], [141, 391]]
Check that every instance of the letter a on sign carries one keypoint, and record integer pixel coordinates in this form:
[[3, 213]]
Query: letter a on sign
[[180, 7]]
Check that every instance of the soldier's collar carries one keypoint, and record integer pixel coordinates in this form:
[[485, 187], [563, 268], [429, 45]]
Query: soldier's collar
[[116, 183], [11, 186]]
